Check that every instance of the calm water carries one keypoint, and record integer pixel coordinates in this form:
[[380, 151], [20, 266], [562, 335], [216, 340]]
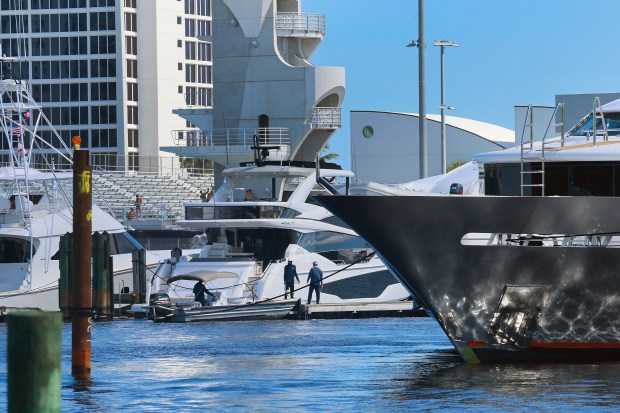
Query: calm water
[[374, 365]]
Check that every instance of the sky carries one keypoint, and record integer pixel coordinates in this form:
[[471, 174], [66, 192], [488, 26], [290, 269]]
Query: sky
[[511, 53]]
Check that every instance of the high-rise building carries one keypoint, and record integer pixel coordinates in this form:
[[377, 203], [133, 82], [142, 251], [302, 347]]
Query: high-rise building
[[112, 71]]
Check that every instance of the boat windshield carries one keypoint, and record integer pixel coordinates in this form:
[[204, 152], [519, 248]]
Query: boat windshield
[[584, 126], [14, 250]]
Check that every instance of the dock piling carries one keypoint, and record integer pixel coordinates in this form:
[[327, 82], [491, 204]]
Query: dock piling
[[82, 254], [34, 361]]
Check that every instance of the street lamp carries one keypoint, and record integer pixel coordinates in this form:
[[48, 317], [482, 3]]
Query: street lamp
[[443, 44], [420, 44]]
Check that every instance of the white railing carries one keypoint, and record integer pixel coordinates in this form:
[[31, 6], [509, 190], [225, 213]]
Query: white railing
[[325, 118], [295, 60], [233, 137], [301, 22], [151, 165], [202, 98]]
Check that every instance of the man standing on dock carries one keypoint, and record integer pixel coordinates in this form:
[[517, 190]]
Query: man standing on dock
[[315, 276], [290, 273]]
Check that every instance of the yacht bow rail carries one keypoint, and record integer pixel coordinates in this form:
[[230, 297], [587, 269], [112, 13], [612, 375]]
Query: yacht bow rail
[[301, 22], [232, 137]]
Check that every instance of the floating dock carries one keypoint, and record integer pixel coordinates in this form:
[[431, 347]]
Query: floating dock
[[361, 310]]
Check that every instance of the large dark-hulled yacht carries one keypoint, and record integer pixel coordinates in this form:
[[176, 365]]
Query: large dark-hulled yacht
[[527, 270]]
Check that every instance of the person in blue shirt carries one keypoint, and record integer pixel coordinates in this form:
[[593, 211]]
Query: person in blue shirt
[[315, 276], [290, 273]]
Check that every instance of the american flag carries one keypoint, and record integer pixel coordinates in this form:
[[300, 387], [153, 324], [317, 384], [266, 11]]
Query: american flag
[[18, 130]]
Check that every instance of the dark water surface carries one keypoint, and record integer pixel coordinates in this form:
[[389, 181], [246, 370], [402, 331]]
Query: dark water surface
[[373, 365]]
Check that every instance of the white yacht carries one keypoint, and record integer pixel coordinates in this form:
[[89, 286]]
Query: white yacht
[[249, 242]]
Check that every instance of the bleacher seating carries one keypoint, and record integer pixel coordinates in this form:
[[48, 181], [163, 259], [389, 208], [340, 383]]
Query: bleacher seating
[[161, 195]]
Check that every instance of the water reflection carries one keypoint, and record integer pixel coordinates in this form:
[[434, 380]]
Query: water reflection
[[441, 383]]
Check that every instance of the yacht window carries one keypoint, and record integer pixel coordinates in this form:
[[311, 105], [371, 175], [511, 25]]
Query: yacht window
[[584, 126], [14, 250], [590, 180], [330, 241]]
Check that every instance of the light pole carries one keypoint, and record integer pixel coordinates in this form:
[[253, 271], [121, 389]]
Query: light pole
[[442, 45], [420, 44]]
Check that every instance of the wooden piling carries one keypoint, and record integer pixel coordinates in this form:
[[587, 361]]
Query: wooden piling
[[65, 263], [34, 361], [82, 254], [102, 273], [139, 275]]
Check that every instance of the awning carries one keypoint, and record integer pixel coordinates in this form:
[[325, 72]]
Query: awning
[[202, 275]]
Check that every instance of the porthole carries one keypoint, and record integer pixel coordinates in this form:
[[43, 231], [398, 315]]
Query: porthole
[[368, 131]]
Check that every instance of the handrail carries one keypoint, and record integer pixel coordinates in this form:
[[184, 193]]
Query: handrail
[[304, 22], [227, 137], [595, 108]]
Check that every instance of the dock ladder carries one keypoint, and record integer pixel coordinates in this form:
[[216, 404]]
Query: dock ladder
[[535, 157]]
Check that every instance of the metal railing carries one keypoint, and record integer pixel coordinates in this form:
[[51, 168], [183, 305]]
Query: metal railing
[[151, 165], [295, 60], [301, 22], [232, 137], [202, 98], [325, 118]]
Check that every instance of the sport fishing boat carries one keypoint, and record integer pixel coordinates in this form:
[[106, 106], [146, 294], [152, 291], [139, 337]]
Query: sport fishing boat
[[35, 204], [527, 270], [254, 239]]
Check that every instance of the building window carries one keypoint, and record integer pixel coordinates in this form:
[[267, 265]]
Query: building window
[[179, 20], [102, 21], [180, 43], [132, 138], [132, 92], [103, 138], [131, 45], [132, 68], [180, 89], [180, 66], [134, 162], [190, 50], [132, 115], [130, 4], [131, 22], [102, 44], [103, 68]]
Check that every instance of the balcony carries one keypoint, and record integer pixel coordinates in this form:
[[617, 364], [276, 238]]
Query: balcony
[[300, 25], [325, 118], [230, 146], [241, 138]]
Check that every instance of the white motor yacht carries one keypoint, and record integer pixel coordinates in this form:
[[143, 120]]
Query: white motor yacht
[[254, 239]]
